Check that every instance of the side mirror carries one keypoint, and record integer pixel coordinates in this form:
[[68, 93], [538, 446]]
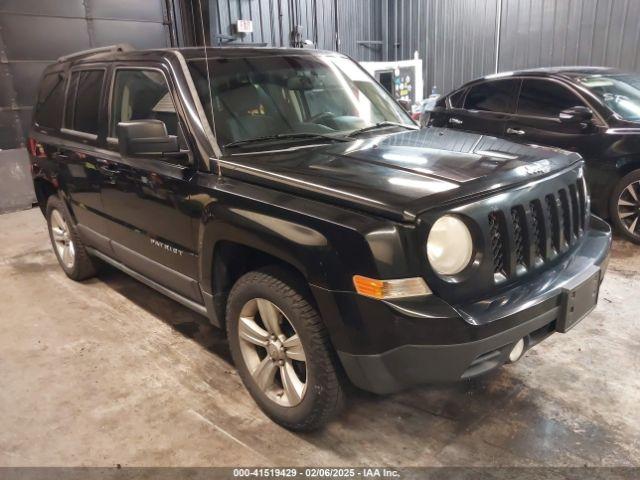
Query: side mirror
[[575, 115], [406, 105], [145, 137]]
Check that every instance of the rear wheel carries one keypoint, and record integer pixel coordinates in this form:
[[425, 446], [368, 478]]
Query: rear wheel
[[282, 351], [69, 249], [625, 206]]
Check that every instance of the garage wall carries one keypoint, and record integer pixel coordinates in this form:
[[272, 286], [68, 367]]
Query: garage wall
[[570, 32], [455, 38], [460, 40], [34, 33], [358, 24]]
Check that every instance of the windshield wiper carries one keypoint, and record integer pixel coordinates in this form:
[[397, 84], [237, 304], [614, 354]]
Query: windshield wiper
[[382, 125], [285, 136]]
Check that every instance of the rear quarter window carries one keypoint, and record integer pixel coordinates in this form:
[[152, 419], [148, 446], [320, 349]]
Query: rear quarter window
[[50, 102], [457, 98]]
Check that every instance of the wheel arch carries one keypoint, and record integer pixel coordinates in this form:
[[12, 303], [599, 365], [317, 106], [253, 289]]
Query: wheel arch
[[628, 165], [43, 189], [230, 248]]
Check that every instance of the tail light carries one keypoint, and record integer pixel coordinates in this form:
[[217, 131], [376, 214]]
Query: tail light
[[35, 148]]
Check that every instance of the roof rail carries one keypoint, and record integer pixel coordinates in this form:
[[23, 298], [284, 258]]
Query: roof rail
[[121, 47]]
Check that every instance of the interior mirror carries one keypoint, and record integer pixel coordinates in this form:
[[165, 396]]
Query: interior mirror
[[577, 114], [405, 104], [145, 137]]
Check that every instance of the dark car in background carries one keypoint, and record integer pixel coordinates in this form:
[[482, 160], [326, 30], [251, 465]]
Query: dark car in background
[[590, 110]]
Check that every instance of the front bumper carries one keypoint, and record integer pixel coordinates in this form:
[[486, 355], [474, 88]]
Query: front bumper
[[385, 347]]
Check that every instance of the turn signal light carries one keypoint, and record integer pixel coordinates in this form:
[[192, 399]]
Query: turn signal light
[[386, 289]]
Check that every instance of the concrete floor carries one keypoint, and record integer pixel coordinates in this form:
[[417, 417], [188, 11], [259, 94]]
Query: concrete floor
[[109, 372]]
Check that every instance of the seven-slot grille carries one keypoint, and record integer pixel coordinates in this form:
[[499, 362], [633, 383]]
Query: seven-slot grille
[[527, 236]]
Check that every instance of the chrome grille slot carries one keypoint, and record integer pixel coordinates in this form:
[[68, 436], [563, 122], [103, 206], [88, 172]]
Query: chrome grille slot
[[537, 228], [518, 237], [566, 217], [583, 202], [496, 229], [555, 231], [575, 210]]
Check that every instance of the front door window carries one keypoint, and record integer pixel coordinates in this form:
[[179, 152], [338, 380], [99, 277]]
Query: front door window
[[544, 98]]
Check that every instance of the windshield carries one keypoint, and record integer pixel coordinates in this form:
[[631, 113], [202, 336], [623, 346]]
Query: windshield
[[265, 96], [621, 93]]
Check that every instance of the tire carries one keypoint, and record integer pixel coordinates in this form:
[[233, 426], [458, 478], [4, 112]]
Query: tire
[[69, 249], [624, 207], [276, 295]]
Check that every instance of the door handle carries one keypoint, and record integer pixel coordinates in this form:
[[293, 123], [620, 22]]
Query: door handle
[[455, 121], [514, 131]]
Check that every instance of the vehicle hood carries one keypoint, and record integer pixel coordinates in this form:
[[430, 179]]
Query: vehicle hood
[[402, 174]]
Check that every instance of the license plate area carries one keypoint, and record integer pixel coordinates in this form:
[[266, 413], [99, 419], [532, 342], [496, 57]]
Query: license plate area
[[578, 302]]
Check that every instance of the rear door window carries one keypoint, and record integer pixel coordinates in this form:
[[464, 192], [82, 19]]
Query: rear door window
[[544, 98], [494, 96], [83, 101], [48, 109]]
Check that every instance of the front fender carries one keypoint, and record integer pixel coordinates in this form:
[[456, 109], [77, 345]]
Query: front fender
[[302, 247]]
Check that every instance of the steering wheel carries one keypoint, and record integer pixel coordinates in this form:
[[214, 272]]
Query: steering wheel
[[318, 118]]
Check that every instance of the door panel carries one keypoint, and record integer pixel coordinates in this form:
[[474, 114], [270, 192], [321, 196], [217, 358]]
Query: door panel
[[536, 120], [152, 220], [488, 106], [150, 213], [76, 153], [83, 182]]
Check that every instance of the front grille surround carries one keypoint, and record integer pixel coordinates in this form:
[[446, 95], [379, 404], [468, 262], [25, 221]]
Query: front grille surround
[[505, 257], [537, 235]]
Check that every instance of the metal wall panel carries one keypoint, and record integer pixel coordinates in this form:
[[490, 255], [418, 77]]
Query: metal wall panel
[[48, 38], [270, 20], [537, 33], [359, 23], [34, 33], [455, 38], [61, 8], [139, 34], [361, 26], [145, 11]]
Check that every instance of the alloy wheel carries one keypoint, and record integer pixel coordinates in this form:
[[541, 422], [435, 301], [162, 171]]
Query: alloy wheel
[[629, 208], [62, 239], [272, 352]]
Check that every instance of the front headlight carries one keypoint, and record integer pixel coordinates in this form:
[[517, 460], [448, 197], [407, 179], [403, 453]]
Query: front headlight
[[449, 246]]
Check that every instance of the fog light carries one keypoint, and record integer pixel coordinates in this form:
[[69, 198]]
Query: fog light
[[516, 351]]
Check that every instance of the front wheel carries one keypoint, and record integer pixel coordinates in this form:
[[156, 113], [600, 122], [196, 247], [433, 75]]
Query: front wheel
[[282, 352], [625, 206]]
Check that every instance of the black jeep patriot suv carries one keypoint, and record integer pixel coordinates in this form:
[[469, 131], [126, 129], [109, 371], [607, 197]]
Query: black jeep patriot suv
[[285, 196]]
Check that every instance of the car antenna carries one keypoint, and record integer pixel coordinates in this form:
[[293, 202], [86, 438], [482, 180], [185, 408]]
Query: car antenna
[[206, 62]]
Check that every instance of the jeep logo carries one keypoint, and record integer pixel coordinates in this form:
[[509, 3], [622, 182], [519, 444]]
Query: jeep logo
[[537, 168]]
